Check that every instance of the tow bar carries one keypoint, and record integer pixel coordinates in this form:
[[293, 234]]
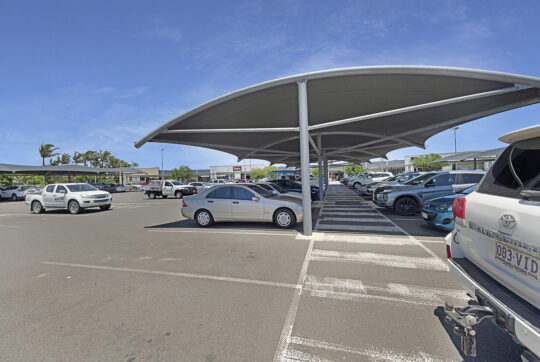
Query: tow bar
[[465, 321]]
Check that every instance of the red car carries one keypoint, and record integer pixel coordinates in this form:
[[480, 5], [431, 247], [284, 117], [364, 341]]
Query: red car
[[241, 180]]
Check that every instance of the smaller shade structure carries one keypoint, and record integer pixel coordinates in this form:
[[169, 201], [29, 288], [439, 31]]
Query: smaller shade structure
[[6, 168], [488, 155]]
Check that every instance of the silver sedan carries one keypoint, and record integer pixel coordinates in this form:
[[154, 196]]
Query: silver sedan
[[245, 202]]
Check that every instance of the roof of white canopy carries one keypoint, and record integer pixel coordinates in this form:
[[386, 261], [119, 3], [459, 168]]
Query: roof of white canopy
[[6, 168], [355, 114]]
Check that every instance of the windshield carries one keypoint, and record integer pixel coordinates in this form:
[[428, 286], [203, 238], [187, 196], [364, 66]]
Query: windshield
[[420, 179], [258, 189], [177, 183], [81, 188], [279, 189]]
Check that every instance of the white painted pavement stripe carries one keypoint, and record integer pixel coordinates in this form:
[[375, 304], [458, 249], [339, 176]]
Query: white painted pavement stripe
[[357, 239], [355, 290], [373, 215], [353, 219], [396, 261], [286, 332], [243, 232], [336, 227], [295, 355], [368, 352], [175, 274]]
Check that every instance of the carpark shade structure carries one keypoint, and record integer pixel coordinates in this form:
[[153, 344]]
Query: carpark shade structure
[[488, 155], [348, 114], [75, 170]]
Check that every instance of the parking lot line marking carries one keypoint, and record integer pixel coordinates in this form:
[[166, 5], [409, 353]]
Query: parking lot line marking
[[339, 227], [358, 239], [241, 232], [286, 332], [354, 219], [373, 215], [369, 352], [356, 290], [428, 250], [396, 261], [293, 355], [175, 274], [9, 226]]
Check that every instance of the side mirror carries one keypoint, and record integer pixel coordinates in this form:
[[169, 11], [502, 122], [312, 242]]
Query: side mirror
[[62, 192], [255, 198], [275, 192]]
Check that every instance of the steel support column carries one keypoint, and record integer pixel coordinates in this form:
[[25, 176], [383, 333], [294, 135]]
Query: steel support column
[[304, 155], [326, 170], [321, 183]]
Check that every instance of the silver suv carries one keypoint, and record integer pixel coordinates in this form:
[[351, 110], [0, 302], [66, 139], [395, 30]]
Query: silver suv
[[407, 199]]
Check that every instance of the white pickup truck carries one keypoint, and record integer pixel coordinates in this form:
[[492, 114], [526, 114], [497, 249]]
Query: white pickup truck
[[494, 249], [71, 196], [168, 188]]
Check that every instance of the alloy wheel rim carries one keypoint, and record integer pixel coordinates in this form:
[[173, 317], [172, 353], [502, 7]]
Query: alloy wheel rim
[[203, 218], [283, 219], [73, 207], [36, 207]]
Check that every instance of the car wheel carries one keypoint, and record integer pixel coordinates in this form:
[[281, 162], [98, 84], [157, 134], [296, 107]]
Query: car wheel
[[204, 218], [14, 197], [178, 194], [105, 207], [355, 185], [406, 206], [152, 195], [37, 208], [74, 207], [284, 218]]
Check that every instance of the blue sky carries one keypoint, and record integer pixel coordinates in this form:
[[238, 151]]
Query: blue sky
[[101, 74]]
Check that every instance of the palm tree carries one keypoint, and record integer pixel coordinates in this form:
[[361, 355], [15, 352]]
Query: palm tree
[[134, 164], [65, 159], [91, 157], [47, 150], [103, 158], [78, 157]]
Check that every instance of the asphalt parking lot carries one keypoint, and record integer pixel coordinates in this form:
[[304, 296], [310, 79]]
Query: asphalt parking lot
[[139, 282]]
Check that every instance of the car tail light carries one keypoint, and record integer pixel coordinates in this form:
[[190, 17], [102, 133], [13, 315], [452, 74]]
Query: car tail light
[[448, 252], [458, 208], [184, 203]]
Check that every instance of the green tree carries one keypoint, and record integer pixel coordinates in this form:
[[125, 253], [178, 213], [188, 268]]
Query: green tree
[[133, 164], [260, 173], [55, 162], [47, 150], [181, 173], [65, 159], [315, 172], [78, 157], [353, 169], [424, 162], [6, 180]]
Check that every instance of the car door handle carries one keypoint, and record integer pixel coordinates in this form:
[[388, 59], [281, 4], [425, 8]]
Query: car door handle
[[210, 201], [235, 202]]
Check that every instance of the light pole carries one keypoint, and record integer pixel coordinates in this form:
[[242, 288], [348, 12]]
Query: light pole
[[162, 163], [455, 141]]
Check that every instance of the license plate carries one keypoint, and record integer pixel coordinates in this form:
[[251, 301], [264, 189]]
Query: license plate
[[100, 200], [522, 263], [424, 215]]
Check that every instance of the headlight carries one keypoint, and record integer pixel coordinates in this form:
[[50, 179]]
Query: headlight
[[86, 196], [385, 196], [445, 207]]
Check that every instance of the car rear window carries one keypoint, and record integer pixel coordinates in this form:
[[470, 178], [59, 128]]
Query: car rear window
[[525, 158], [471, 178]]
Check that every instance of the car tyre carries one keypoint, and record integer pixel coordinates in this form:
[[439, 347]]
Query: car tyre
[[178, 194], [152, 195], [105, 207], [284, 218], [74, 207], [406, 206], [204, 218], [37, 208]]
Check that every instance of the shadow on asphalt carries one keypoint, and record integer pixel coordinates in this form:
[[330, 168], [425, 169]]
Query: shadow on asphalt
[[255, 226], [492, 344]]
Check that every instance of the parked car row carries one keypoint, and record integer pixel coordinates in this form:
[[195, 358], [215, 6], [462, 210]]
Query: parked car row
[[14, 192]]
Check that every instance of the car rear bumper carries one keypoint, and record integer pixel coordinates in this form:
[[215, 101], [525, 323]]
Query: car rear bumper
[[524, 327], [188, 214]]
